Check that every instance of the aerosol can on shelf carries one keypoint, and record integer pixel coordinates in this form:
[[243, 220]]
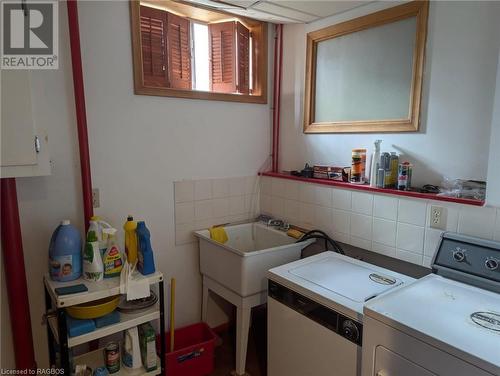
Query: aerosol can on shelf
[[112, 258], [93, 267]]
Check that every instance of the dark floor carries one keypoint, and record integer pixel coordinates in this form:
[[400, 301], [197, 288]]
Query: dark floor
[[225, 353]]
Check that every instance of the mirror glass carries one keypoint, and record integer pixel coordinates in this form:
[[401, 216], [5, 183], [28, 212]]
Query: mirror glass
[[366, 75]]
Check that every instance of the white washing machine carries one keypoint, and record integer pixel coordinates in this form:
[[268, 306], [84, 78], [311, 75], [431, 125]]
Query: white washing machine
[[447, 323], [315, 313]]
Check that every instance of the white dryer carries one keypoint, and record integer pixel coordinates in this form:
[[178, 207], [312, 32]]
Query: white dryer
[[447, 323]]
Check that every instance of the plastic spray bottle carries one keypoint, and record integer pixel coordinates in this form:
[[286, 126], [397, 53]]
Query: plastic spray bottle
[[375, 163], [112, 259], [97, 225], [93, 268]]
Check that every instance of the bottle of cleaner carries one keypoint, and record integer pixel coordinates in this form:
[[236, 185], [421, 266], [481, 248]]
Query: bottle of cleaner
[[112, 258], [130, 239], [93, 268], [65, 253], [131, 349], [97, 225], [375, 164], [145, 258]]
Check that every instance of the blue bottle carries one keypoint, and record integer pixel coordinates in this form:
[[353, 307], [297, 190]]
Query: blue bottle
[[145, 259], [65, 253]]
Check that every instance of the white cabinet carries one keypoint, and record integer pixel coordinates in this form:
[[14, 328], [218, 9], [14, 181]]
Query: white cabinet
[[24, 149]]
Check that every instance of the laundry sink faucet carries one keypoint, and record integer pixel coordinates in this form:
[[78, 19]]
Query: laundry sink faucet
[[280, 224]]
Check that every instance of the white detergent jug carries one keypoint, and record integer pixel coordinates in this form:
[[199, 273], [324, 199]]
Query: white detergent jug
[[131, 349]]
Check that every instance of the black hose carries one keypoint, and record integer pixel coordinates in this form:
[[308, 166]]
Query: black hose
[[318, 234]]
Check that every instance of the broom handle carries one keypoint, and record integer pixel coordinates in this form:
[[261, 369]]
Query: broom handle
[[172, 313]]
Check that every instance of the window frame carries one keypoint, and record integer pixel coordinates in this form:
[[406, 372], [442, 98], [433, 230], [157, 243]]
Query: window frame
[[259, 71]]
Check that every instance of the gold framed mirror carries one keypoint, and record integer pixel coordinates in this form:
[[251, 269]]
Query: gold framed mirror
[[365, 74]]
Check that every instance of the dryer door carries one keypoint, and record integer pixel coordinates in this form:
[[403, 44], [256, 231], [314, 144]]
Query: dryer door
[[388, 363]]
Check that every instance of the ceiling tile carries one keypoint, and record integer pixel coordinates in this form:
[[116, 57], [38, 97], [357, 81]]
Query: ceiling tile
[[277, 9]]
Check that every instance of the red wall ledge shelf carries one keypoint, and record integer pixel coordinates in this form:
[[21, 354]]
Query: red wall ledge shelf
[[367, 188]]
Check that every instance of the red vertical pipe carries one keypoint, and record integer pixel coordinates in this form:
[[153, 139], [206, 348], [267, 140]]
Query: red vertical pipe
[[81, 115], [15, 277], [278, 56]]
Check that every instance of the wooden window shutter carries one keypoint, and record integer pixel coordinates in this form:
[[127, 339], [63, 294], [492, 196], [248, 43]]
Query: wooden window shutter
[[153, 39], [243, 53], [179, 52], [223, 57]]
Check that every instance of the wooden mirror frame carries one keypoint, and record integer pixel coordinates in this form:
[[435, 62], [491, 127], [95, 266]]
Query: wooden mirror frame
[[418, 9], [259, 76]]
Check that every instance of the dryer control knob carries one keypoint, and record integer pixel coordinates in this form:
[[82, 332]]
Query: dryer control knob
[[459, 255], [491, 264], [350, 330]]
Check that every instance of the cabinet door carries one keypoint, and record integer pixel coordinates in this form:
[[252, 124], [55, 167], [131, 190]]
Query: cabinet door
[[17, 126], [388, 363]]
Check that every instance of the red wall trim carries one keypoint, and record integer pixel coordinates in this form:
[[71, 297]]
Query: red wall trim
[[15, 277], [344, 185], [81, 115]]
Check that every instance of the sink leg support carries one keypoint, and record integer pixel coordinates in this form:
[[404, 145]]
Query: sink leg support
[[243, 315], [204, 303]]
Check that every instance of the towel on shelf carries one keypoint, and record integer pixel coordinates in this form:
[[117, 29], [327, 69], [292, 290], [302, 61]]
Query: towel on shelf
[[218, 234], [133, 283]]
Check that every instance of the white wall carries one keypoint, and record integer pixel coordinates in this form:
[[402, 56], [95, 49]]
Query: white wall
[[493, 196], [138, 145], [460, 71]]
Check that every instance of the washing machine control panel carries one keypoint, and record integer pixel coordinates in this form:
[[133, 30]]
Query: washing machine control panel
[[327, 317]]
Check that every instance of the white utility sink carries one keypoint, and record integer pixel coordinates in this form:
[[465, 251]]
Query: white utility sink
[[236, 271], [242, 262]]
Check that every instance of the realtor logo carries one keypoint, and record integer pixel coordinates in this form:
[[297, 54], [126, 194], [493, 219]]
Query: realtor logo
[[29, 35]]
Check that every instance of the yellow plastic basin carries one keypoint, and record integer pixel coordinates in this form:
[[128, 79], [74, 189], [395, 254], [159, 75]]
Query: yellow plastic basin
[[94, 309]]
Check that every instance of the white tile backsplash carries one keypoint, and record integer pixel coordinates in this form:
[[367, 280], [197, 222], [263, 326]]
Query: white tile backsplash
[[291, 190], [496, 235], [323, 196], [202, 190], [385, 207], [341, 221], [478, 222], [414, 258], [410, 238], [237, 186], [307, 193], [306, 214], [203, 210], [392, 226], [360, 243], [384, 231], [220, 207], [432, 237], [220, 188], [384, 249], [342, 199], [361, 226], [184, 191], [412, 211], [292, 211], [184, 212], [278, 207], [362, 203], [237, 205], [323, 217], [202, 203]]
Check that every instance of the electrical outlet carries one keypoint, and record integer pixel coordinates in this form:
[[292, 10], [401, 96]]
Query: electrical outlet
[[95, 198], [438, 217]]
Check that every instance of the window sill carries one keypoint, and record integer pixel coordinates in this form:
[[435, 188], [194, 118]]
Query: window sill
[[367, 188]]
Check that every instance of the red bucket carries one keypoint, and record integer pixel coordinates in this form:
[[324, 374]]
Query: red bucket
[[193, 354]]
